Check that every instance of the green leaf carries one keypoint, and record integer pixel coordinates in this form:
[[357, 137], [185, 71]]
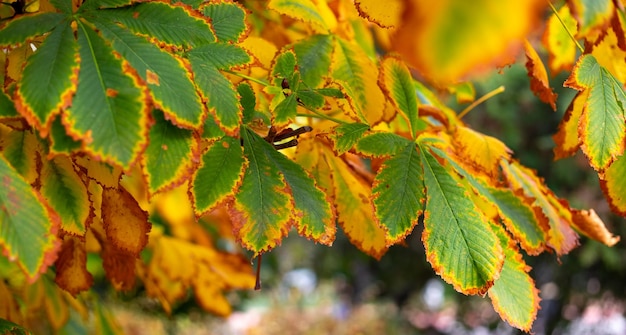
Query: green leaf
[[101, 4], [170, 23], [460, 244], [248, 101], [64, 6], [117, 132], [49, 78], [381, 144], [314, 55], [303, 10], [284, 66], [26, 27], [513, 294], [347, 135], [314, 216], [220, 55], [310, 98], [61, 142], [396, 80], [286, 110], [7, 108], [398, 193], [10, 328], [169, 155], [211, 130], [219, 175], [20, 149], [27, 228], [168, 79], [262, 203], [67, 195], [330, 92], [227, 19], [602, 125]]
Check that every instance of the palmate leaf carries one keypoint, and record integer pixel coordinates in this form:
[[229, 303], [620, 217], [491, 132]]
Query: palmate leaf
[[396, 81], [49, 78], [117, 132], [170, 154], [262, 208], [513, 294], [460, 244], [66, 194], [26, 27], [602, 126], [227, 20], [27, 227], [219, 175], [398, 193], [482, 151], [168, 23], [223, 101], [167, 77]]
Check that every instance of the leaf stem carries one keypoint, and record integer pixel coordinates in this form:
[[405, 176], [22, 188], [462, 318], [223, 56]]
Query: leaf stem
[[252, 79], [556, 13], [480, 100]]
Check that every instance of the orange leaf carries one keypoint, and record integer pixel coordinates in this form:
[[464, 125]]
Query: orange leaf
[[539, 82], [71, 267], [384, 13], [588, 223], [119, 267], [125, 223], [567, 139]]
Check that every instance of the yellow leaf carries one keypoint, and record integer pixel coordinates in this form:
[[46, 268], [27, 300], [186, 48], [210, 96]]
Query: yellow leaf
[[590, 224], [384, 13], [539, 83], [592, 15], [481, 151], [561, 48], [313, 12], [609, 54], [125, 223], [566, 139], [71, 266], [449, 40]]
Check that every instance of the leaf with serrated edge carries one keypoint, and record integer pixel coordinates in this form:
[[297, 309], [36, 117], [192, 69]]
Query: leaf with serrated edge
[[381, 144], [125, 223], [314, 217], [60, 141], [314, 55], [49, 79], [262, 208], [117, 133], [561, 49], [303, 10], [25, 27], [482, 151], [167, 77], [219, 174], [71, 267], [460, 245], [396, 81], [551, 210], [62, 187], [173, 24], [347, 135], [28, 228], [170, 155], [513, 294], [613, 185], [566, 138], [228, 20], [386, 14], [602, 126], [590, 224], [398, 193], [539, 83], [354, 208], [20, 149]]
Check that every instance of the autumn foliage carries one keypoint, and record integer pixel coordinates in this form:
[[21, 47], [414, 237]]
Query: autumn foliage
[[163, 136]]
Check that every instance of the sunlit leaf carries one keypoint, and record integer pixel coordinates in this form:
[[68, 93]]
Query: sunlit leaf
[[170, 154], [592, 16], [380, 144], [347, 135], [590, 224], [314, 55], [227, 20], [49, 78], [398, 193], [315, 13], [610, 53], [460, 244], [386, 14], [117, 132], [262, 208], [560, 46], [513, 294], [440, 39], [66, 194], [539, 83], [170, 23], [71, 267], [602, 126], [27, 227], [396, 81], [481, 151], [566, 138], [614, 185], [167, 77], [219, 175], [353, 70], [8, 327]]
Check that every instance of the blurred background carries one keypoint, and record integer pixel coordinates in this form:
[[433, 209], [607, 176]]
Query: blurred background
[[313, 289]]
